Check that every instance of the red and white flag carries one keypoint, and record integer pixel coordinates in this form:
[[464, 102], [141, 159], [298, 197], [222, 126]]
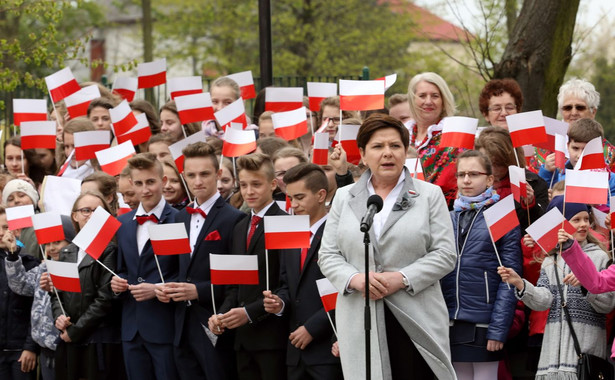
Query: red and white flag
[[38, 134], [280, 99], [612, 211], [64, 275], [124, 208], [238, 142], [585, 186], [528, 152], [19, 217], [459, 132], [320, 154], [194, 108], [29, 110], [77, 104], [544, 229], [176, 148], [348, 136], [123, 118], [169, 239], [527, 128], [361, 95], [61, 84], [328, 294], [317, 92], [152, 74], [287, 231], [233, 113], [97, 233], [518, 183], [553, 127], [592, 156], [290, 125], [48, 227], [66, 163], [560, 151], [89, 142], [126, 87], [114, 159], [415, 168], [501, 218], [246, 84], [233, 269], [138, 134], [181, 86], [389, 81]]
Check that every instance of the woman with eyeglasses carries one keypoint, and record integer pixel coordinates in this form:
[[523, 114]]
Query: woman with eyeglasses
[[498, 99]]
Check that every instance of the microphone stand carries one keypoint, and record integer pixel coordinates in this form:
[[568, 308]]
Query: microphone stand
[[367, 320]]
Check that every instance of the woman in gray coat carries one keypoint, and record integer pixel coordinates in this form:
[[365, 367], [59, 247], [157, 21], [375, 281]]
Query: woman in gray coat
[[412, 249]]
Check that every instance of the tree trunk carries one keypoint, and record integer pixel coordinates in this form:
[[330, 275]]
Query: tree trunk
[[539, 51], [148, 46]]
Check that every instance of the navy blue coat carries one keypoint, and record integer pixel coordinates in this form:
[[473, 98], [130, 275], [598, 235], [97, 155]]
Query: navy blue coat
[[473, 291]]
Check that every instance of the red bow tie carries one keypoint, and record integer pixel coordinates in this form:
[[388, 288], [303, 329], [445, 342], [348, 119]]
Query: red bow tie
[[144, 218], [196, 211]]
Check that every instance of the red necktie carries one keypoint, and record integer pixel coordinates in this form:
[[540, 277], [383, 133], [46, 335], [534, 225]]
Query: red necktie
[[253, 224], [144, 218], [304, 252], [197, 210]]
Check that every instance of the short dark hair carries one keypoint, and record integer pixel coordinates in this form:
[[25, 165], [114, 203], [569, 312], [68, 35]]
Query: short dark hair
[[584, 130], [145, 161], [256, 162], [200, 149], [100, 102], [381, 121], [314, 177], [482, 157], [270, 145], [497, 87]]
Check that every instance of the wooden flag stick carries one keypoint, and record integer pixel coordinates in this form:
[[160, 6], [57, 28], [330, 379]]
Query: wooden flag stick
[[221, 158], [234, 171], [159, 270], [332, 325], [181, 176], [311, 123], [552, 178], [107, 268], [184, 130], [54, 288], [213, 304], [267, 268], [516, 157], [527, 207], [497, 255], [612, 246], [416, 166]]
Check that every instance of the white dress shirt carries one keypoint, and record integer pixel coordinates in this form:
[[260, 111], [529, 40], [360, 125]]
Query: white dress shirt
[[197, 220], [142, 229], [381, 217]]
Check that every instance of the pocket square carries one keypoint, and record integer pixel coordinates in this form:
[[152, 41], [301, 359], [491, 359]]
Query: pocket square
[[214, 235]]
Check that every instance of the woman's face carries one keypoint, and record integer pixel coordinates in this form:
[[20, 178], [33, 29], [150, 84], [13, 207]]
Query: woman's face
[[384, 154], [46, 156], [171, 125], [471, 177], [581, 222], [226, 183], [12, 160], [85, 208], [161, 150], [500, 107], [173, 190], [222, 96], [18, 198], [575, 108], [101, 118], [428, 100], [59, 126]]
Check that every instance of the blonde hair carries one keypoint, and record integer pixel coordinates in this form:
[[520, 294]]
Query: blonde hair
[[448, 100]]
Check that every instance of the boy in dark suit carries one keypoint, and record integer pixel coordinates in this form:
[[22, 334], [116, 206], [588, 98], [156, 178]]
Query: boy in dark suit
[[309, 345], [147, 324], [260, 339]]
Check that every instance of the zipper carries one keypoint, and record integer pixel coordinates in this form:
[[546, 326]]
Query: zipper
[[459, 259], [487, 286]]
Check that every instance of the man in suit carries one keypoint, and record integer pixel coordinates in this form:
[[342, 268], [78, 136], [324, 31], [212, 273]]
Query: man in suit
[[309, 344], [147, 324], [260, 339], [210, 222]]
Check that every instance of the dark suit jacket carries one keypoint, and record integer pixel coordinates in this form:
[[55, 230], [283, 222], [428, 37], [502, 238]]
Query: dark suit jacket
[[152, 319], [302, 303], [266, 332]]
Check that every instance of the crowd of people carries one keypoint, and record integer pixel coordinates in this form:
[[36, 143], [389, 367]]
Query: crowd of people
[[446, 301]]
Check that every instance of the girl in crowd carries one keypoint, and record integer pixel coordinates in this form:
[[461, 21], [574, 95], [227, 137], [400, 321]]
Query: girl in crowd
[[140, 106], [558, 359], [47, 158], [18, 192], [105, 184], [481, 307], [223, 91], [98, 113], [30, 169], [82, 168], [226, 183], [174, 191], [172, 126], [159, 145], [330, 113]]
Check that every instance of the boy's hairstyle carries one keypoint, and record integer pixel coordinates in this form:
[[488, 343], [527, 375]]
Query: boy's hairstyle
[[256, 162], [396, 99], [265, 116], [559, 186], [145, 161], [482, 157], [313, 176], [270, 145], [125, 172], [289, 152], [496, 143], [160, 138], [200, 149], [585, 130]]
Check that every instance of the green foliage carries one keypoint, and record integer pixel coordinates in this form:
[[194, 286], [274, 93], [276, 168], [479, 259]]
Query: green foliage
[[604, 80]]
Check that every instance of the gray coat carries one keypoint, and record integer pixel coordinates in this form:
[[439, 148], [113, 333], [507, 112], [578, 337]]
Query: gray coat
[[417, 239]]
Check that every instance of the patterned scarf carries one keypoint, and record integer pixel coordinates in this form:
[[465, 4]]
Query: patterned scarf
[[466, 203]]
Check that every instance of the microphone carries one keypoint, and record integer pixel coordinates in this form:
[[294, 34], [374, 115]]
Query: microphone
[[374, 205]]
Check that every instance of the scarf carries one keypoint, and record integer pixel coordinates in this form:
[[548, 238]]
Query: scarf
[[467, 203]]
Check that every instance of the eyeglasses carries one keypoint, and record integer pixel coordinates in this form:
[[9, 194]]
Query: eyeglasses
[[85, 211], [498, 109], [334, 120], [472, 175], [578, 107]]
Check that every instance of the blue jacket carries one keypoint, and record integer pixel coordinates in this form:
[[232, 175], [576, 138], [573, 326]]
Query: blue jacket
[[473, 291], [560, 176]]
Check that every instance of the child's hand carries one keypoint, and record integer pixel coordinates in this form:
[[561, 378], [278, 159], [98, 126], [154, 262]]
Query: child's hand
[[528, 241], [550, 162], [510, 276], [563, 236], [571, 279]]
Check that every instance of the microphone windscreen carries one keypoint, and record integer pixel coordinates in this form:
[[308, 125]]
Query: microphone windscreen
[[375, 200]]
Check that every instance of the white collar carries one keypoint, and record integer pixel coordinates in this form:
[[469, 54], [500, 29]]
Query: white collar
[[208, 204], [156, 210], [262, 212]]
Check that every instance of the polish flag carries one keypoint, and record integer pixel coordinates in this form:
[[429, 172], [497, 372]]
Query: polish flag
[[544, 229], [527, 128], [280, 99], [560, 151], [176, 149], [126, 87], [287, 231], [122, 118], [89, 142], [290, 125], [585, 186], [19, 217], [77, 104], [415, 168], [528, 152], [152, 74], [592, 156], [64, 275], [518, 183], [195, 107], [233, 113], [169, 239], [600, 218], [97, 233], [48, 227], [38, 134], [61, 84], [238, 142], [124, 208], [114, 159], [612, 211], [317, 92], [233, 269], [361, 95], [246, 84], [459, 132], [138, 134], [389, 81], [328, 294], [501, 218], [29, 110], [181, 86], [320, 154], [553, 127], [66, 163], [348, 137]]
